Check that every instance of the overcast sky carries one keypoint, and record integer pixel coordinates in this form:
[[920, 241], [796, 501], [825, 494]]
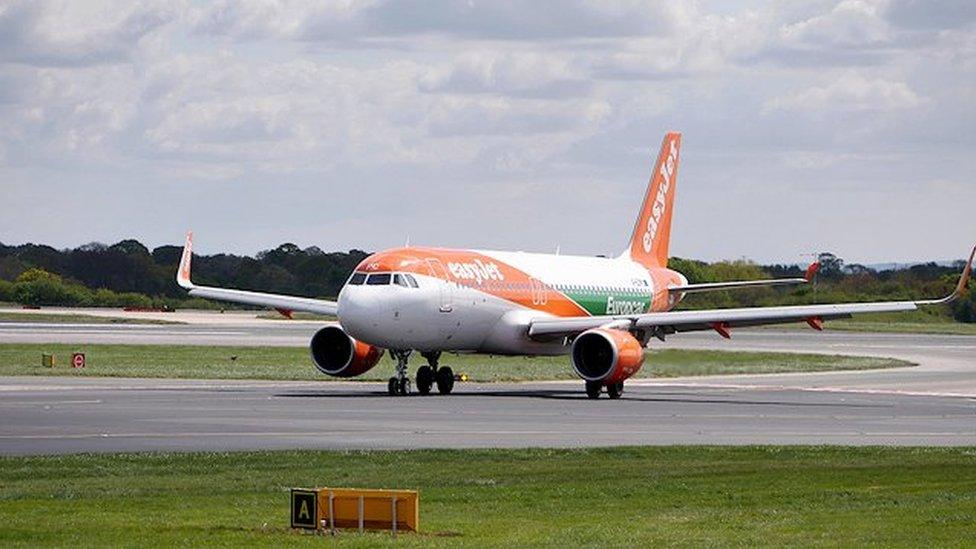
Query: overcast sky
[[845, 126]]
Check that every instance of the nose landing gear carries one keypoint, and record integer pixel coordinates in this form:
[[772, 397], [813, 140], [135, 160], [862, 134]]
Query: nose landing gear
[[399, 384]]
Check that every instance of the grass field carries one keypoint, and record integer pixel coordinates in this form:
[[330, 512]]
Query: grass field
[[770, 496], [916, 322], [72, 318], [293, 363], [923, 321]]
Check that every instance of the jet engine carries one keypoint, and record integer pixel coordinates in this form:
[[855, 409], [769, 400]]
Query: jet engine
[[607, 356], [337, 354]]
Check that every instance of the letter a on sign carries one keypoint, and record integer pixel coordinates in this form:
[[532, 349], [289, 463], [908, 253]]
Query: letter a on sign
[[303, 512]]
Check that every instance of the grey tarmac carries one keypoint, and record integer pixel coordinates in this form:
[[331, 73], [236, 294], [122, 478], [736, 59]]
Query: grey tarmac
[[67, 415], [933, 403]]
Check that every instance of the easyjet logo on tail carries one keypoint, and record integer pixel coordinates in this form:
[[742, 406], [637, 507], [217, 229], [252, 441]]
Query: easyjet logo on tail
[[660, 201]]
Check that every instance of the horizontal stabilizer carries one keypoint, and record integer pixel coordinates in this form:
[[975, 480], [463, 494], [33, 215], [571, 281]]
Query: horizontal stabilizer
[[718, 286]]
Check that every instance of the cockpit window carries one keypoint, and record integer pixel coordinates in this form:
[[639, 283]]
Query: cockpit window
[[357, 279], [378, 279], [405, 280]]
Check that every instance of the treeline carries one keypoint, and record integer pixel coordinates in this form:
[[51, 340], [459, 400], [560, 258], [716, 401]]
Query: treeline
[[127, 274], [834, 282]]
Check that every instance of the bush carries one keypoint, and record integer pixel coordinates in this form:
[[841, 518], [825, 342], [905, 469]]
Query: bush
[[39, 287], [964, 309], [6, 291]]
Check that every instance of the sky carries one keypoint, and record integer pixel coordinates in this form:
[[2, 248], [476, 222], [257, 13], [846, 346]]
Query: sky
[[844, 126]]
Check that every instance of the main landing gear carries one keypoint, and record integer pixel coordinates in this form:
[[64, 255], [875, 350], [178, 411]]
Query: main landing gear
[[614, 390], [427, 376]]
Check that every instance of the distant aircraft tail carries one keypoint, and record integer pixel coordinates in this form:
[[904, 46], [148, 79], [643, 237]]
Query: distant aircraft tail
[[652, 233]]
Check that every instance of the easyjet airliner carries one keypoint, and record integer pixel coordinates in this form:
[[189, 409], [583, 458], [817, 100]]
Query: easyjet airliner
[[602, 312]]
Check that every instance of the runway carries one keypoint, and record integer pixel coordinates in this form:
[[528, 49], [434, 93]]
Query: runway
[[931, 404], [65, 415], [947, 363]]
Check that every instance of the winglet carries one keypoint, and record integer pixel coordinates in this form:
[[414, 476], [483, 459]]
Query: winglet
[[960, 288], [812, 270], [183, 274]]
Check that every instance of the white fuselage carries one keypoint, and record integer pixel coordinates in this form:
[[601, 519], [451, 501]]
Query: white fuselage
[[485, 308]]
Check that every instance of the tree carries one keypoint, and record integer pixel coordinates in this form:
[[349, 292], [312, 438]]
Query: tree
[[831, 266]]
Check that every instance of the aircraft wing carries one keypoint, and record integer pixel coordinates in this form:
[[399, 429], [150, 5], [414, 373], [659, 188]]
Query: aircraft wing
[[718, 286], [283, 303], [723, 320]]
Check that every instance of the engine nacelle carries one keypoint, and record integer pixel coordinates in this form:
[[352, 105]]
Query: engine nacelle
[[608, 356], [336, 354]]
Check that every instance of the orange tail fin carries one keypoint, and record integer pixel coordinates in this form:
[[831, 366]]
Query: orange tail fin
[[649, 243]]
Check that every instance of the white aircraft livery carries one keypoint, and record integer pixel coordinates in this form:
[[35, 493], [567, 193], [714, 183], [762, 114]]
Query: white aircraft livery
[[602, 312]]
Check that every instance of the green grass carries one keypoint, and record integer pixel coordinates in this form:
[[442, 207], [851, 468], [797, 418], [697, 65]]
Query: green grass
[[916, 322], [73, 318], [293, 363], [922, 321], [623, 497]]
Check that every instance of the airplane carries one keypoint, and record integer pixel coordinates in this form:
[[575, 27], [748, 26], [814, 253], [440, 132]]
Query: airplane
[[602, 312]]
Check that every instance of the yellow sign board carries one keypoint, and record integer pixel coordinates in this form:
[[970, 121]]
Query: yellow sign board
[[361, 509]]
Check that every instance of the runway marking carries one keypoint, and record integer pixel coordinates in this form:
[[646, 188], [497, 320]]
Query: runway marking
[[141, 330], [534, 433], [46, 403], [809, 389]]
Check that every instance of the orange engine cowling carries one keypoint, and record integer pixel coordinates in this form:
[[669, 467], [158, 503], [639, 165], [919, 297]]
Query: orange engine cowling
[[605, 355], [337, 354]]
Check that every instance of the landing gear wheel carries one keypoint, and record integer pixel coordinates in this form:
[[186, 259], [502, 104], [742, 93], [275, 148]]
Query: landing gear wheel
[[593, 389], [403, 387], [399, 384], [425, 379], [615, 390], [445, 380]]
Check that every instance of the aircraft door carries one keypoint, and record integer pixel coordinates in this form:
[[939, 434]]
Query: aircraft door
[[446, 288]]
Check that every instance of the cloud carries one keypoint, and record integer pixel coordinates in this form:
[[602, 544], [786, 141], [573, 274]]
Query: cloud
[[850, 92], [297, 105], [528, 20], [71, 34], [851, 23], [931, 14], [509, 73]]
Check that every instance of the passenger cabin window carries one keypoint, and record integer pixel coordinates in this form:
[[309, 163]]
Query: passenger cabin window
[[357, 279], [378, 279]]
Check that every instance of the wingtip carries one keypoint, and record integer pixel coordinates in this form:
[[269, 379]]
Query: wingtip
[[183, 273], [812, 270], [967, 272]]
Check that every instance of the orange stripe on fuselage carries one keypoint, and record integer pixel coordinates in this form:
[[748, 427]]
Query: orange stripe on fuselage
[[477, 271]]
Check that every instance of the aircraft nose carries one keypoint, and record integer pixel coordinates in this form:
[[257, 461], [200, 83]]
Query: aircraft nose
[[353, 301]]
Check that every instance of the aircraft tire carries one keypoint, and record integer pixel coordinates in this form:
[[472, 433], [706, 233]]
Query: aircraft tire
[[391, 386], [425, 379], [615, 390], [403, 387], [593, 389], [445, 380]]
